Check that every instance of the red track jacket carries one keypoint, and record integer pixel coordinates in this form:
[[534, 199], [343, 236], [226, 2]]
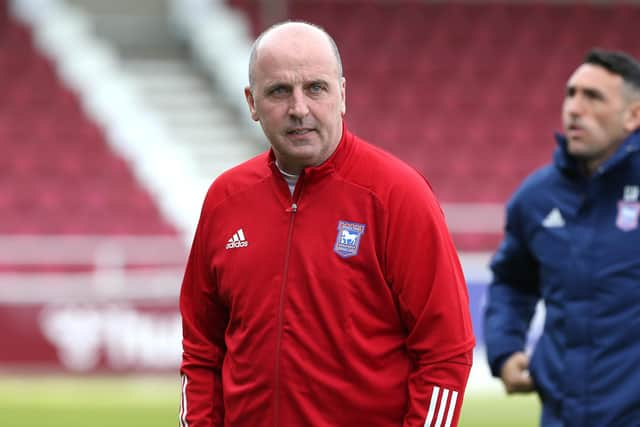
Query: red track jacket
[[342, 305]]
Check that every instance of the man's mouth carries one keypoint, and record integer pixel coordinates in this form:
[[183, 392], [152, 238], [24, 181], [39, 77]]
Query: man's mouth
[[574, 129], [299, 131]]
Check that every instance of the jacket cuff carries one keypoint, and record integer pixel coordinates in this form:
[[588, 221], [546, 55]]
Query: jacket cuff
[[497, 363]]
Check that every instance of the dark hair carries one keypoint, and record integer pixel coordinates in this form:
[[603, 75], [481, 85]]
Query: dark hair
[[619, 63]]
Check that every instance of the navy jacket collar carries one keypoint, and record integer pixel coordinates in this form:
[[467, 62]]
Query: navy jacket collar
[[567, 163]]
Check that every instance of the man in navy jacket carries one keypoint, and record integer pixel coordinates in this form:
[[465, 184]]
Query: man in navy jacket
[[572, 240]]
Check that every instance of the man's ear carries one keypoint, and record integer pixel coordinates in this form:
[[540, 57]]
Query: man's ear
[[251, 102], [343, 95], [632, 117]]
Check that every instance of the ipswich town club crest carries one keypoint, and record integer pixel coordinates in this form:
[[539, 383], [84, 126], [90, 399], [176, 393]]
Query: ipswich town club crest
[[348, 239], [628, 213], [629, 209]]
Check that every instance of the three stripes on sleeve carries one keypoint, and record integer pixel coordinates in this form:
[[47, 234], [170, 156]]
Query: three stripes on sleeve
[[441, 407]]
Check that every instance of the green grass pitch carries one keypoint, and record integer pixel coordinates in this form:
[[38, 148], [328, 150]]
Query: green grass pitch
[[33, 401]]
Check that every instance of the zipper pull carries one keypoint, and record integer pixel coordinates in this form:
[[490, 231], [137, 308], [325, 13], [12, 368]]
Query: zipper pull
[[293, 208]]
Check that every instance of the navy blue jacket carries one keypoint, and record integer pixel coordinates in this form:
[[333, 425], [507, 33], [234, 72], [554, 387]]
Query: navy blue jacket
[[574, 242]]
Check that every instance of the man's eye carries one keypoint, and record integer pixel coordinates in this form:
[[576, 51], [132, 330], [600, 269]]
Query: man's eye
[[279, 90], [592, 94], [316, 88]]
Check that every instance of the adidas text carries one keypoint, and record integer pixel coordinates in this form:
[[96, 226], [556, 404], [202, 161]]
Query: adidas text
[[239, 244]]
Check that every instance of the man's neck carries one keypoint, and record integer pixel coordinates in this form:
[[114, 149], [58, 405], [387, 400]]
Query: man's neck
[[291, 178]]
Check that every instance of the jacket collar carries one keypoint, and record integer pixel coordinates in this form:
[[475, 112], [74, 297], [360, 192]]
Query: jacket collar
[[568, 163], [333, 163]]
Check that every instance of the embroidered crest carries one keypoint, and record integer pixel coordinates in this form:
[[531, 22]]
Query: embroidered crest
[[628, 213], [348, 239]]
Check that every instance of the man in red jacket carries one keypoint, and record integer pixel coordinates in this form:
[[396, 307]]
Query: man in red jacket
[[322, 288]]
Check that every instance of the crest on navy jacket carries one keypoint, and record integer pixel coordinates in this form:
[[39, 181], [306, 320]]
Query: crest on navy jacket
[[348, 239], [629, 209], [628, 213]]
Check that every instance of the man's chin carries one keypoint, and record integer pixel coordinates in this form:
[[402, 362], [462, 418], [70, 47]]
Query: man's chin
[[305, 155], [577, 147]]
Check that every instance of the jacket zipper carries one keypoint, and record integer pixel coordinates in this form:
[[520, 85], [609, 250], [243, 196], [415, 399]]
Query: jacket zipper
[[292, 210]]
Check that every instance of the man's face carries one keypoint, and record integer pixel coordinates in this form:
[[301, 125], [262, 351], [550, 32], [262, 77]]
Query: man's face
[[593, 114], [298, 96]]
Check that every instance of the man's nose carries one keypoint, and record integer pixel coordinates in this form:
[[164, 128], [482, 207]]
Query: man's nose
[[574, 105], [298, 107]]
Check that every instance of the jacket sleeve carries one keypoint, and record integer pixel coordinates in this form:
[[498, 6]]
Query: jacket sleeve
[[204, 320], [433, 301], [512, 295]]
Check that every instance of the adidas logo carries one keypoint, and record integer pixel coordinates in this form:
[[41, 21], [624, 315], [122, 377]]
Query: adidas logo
[[553, 219], [237, 241]]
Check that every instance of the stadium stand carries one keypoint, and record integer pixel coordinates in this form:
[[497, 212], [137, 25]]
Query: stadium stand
[[85, 247], [59, 176]]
